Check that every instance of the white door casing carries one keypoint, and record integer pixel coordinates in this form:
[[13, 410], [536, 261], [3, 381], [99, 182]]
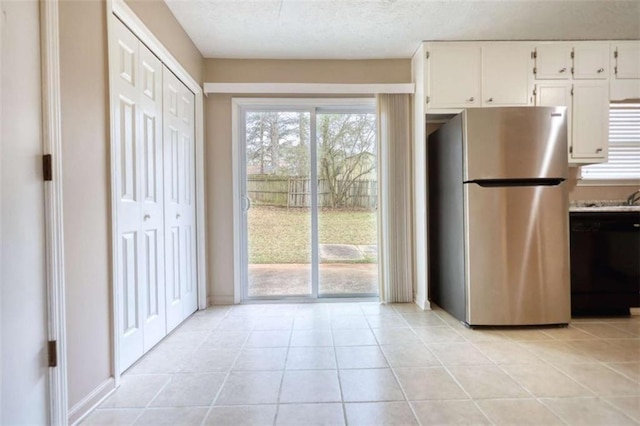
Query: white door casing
[[140, 225], [179, 190]]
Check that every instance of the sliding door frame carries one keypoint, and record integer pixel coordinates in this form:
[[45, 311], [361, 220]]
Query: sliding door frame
[[240, 107]]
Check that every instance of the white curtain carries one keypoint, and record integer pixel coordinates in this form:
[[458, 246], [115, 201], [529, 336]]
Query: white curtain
[[394, 213]]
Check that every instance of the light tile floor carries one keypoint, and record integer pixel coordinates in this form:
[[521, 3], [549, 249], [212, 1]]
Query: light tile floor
[[366, 364]]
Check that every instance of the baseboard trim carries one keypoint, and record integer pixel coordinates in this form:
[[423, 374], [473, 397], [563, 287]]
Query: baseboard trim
[[423, 304], [78, 412], [221, 300]]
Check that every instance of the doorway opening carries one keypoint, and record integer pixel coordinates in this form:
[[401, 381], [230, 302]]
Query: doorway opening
[[308, 200]]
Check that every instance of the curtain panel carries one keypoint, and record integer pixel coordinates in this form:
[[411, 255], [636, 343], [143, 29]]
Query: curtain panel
[[395, 234]]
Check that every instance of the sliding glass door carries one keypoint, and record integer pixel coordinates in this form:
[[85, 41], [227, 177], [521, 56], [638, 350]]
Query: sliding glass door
[[347, 202], [308, 199]]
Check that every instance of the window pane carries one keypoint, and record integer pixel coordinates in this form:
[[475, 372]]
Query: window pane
[[347, 204], [624, 145], [279, 219]]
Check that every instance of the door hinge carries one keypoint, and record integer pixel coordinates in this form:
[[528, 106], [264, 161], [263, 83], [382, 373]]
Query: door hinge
[[615, 70], [427, 54], [571, 70], [572, 91], [535, 92], [428, 99], [534, 54], [615, 53], [47, 168], [535, 70], [53, 353], [572, 54], [570, 149]]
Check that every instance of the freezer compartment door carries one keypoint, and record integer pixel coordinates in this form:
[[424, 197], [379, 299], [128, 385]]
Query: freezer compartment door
[[515, 143], [517, 255]]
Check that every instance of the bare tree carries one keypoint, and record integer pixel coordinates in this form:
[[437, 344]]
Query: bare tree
[[346, 152]]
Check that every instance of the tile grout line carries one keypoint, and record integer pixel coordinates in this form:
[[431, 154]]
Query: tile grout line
[[446, 368], [228, 374], [395, 375], [284, 369], [171, 375]]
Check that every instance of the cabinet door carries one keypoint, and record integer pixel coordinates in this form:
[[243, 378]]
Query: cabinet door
[[556, 93], [453, 76], [591, 61], [553, 62], [505, 75], [627, 59], [590, 111]]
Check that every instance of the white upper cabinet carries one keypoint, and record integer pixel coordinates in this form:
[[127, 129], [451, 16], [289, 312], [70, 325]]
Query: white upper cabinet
[[553, 61], [506, 69], [453, 75], [590, 121], [627, 60], [591, 61], [587, 116]]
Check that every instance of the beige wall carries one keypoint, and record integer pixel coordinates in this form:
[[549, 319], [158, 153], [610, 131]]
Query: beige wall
[[307, 71], [85, 156], [23, 292], [86, 185], [218, 137]]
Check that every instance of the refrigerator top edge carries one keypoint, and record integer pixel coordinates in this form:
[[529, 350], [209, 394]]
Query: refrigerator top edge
[[513, 143]]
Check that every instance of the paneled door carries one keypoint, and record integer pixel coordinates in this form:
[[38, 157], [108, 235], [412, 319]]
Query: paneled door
[[179, 190], [138, 166]]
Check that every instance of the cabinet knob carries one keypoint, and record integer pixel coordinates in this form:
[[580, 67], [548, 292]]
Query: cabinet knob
[[471, 99], [562, 70], [178, 216], [147, 217], [598, 151], [490, 100], [600, 70]]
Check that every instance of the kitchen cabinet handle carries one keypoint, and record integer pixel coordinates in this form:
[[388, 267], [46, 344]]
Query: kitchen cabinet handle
[[600, 70], [563, 70], [471, 99], [178, 216], [598, 151], [490, 100], [147, 217]]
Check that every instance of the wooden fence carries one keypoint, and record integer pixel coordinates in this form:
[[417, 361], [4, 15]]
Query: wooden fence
[[286, 191]]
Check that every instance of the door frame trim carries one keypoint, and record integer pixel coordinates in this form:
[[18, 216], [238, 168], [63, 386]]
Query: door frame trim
[[238, 105], [53, 208], [117, 9]]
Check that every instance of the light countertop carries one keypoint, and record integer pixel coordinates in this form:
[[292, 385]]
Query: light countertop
[[602, 206]]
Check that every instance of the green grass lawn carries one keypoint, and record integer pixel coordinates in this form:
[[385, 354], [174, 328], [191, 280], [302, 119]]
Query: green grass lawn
[[278, 235]]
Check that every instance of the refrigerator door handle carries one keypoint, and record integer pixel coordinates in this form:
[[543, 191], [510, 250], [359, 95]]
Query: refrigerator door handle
[[496, 183]]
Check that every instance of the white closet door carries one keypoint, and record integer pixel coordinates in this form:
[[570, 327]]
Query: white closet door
[[152, 198], [179, 187], [125, 69], [138, 155]]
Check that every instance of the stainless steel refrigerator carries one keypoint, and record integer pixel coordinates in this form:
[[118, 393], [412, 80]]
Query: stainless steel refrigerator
[[498, 216]]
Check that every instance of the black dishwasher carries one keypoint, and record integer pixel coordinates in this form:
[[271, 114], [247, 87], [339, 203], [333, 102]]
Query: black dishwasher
[[605, 262]]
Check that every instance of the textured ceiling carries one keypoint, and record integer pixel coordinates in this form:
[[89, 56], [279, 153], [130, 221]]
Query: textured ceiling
[[347, 29]]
